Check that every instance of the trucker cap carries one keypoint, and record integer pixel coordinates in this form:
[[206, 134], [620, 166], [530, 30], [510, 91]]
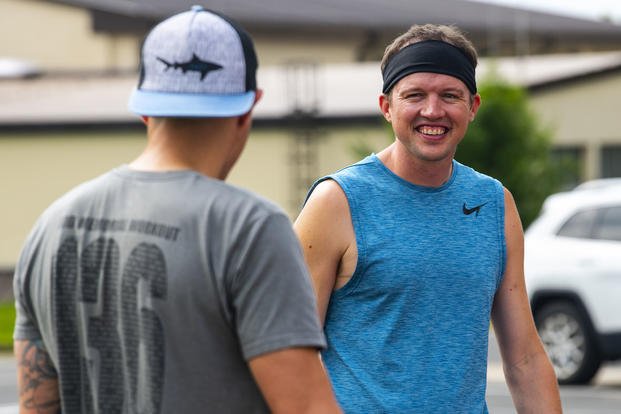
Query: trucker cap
[[196, 64]]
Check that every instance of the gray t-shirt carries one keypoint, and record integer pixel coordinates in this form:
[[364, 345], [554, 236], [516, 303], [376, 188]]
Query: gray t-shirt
[[151, 291]]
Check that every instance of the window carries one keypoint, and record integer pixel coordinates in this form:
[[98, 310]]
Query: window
[[609, 225], [571, 160], [611, 161], [579, 225]]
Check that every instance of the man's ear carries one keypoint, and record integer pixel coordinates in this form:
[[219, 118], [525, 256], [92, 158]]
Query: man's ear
[[474, 108], [258, 94], [384, 104], [145, 119]]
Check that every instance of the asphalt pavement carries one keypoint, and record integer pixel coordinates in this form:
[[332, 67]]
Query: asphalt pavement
[[602, 396], [8, 384]]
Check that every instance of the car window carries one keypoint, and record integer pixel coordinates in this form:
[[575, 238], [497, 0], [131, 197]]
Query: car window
[[579, 225], [608, 227]]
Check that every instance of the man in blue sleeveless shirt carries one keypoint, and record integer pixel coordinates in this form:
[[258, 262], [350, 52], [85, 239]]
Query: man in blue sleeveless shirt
[[412, 253]]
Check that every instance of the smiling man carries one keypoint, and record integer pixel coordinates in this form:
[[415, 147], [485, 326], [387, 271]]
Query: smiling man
[[412, 253]]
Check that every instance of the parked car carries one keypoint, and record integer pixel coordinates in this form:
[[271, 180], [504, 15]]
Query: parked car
[[573, 278]]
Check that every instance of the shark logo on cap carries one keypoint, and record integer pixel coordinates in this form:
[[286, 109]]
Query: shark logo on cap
[[195, 64]]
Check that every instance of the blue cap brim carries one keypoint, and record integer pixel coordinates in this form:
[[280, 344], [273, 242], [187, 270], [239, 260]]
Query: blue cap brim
[[184, 105]]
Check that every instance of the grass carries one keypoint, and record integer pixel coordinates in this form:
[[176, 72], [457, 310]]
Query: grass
[[7, 322]]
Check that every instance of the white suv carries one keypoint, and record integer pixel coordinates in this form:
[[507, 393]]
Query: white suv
[[573, 277]]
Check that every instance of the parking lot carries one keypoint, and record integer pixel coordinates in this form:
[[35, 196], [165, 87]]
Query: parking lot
[[602, 396]]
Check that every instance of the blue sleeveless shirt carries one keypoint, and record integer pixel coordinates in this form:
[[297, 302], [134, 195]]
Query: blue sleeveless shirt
[[409, 332]]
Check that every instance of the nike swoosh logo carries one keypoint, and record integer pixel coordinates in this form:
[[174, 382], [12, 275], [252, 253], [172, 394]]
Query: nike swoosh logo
[[467, 211]]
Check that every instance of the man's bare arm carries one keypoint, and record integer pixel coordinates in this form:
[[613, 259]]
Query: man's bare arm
[[528, 371], [294, 381], [327, 237], [37, 379]]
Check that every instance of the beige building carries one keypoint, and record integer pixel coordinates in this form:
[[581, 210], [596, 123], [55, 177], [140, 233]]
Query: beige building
[[66, 122], [105, 35]]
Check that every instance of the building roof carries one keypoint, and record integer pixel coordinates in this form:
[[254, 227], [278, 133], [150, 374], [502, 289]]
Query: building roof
[[328, 91], [470, 15]]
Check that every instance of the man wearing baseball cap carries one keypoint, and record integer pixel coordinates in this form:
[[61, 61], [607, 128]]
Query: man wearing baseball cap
[[157, 287]]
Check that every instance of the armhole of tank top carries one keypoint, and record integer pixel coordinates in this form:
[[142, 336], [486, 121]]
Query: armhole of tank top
[[502, 243], [353, 282]]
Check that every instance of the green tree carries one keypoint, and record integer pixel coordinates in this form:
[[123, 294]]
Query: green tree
[[508, 142]]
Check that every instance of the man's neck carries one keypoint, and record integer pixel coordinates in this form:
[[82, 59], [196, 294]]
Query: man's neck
[[415, 170], [193, 146]]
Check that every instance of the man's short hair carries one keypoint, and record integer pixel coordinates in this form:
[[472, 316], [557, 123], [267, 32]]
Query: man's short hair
[[419, 33]]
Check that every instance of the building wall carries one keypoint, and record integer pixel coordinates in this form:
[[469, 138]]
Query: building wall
[[60, 37], [583, 114], [71, 44], [284, 48]]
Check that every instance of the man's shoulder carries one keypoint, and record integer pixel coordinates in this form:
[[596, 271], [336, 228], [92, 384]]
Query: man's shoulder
[[236, 198], [79, 193], [472, 174], [124, 193], [188, 186]]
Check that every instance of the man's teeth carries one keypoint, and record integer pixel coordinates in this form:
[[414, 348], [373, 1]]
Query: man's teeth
[[432, 130]]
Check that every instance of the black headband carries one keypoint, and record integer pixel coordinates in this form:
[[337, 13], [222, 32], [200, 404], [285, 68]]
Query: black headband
[[429, 56]]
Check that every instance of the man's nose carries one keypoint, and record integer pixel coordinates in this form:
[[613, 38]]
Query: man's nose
[[432, 107]]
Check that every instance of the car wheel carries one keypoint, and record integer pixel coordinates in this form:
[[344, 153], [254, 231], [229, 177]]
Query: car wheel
[[569, 340]]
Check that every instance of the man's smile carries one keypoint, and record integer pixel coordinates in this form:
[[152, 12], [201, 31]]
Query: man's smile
[[432, 131]]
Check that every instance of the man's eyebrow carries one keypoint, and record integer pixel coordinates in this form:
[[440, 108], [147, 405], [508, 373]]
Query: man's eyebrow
[[456, 91], [410, 89]]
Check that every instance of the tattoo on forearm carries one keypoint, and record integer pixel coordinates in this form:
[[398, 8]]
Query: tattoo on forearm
[[38, 379]]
